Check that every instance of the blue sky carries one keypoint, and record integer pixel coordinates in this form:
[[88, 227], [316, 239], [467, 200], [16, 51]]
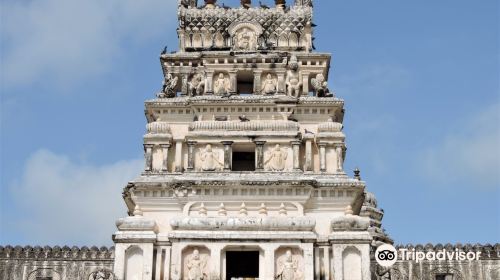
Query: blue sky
[[420, 80]]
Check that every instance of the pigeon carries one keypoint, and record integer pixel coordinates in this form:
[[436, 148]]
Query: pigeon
[[164, 51], [308, 132], [195, 119], [263, 6], [225, 7], [244, 118], [313, 24], [221, 118], [313, 46], [290, 118]]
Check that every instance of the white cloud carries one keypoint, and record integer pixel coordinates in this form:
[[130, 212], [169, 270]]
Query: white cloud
[[469, 154], [65, 203], [61, 42]]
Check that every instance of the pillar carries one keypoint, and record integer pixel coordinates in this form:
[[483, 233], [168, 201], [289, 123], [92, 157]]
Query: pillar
[[184, 85], [317, 263], [228, 154], [259, 155], [308, 166], [326, 261], [209, 82], [257, 84], [216, 258], [281, 81], [308, 250], [158, 263], [191, 145], [340, 157], [234, 81], [322, 157], [305, 83], [269, 261], [166, 262], [178, 156], [148, 157], [164, 152], [296, 152]]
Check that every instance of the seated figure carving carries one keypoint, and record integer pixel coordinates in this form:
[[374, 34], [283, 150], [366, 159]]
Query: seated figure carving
[[222, 85], [269, 85], [277, 159], [320, 86], [209, 159], [293, 82], [168, 90], [197, 85]]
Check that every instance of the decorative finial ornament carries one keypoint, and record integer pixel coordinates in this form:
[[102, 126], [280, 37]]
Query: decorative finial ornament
[[348, 210], [202, 211], [357, 173], [243, 210], [263, 209], [137, 211], [282, 210], [280, 4], [222, 210], [246, 3]]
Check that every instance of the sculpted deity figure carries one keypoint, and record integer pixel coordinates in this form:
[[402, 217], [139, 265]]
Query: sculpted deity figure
[[197, 85], [293, 82], [169, 84], [288, 267], [195, 266], [222, 85], [320, 86], [101, 275], [277, 159], [245, 40], [210, 159], [269, 85]]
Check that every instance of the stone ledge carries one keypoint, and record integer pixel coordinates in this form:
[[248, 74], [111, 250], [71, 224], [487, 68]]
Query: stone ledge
[[238, 235], [245, 223]]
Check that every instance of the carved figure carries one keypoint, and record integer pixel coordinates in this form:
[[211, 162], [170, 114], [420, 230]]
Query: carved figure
[[269, 85], [288, 267], [246, 40], [277, 159], [197, 85], [210, 159], [101, 275], [320, 86], [293, 82], [169, 84], [195, 266], [222, 85]]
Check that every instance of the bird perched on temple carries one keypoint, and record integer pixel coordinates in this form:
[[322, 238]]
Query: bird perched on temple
[[263, 6], [225, 7], [164, 51], [290, 118], [308, 132], [246, 4], [244, 118], [313, 24]]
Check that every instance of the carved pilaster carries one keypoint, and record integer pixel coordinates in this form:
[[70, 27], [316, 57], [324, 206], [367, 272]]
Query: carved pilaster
[[184, 85], [148, 157], [178, 156], [305, 83], [339, 149], [191, 145], [322, 157], [281, 81], [308, 165], [234, 82], [164, 152], [259, 155], [209, 82], [257, 83], [296, 152], [228, 154]]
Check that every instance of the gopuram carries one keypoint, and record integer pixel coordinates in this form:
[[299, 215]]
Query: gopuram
[[244, 153], [244, 170]]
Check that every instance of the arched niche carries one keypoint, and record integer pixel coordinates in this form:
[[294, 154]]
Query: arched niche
[[245, 35], [293, 40], [197, 41], [207, 39], [283, 41], [351, 264], [289, 261], [134, 263], [219, 41], [41, 273]]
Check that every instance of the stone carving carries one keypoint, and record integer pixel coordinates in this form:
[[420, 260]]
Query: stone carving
[[210, 159], [350, 222], [169, 84], [320, 86], [269, 85], [101, 274], [289, 267], [222, 85], [293, 83], [195, 266], [303, 3], [276, 160], [245, 40], [197, 85]]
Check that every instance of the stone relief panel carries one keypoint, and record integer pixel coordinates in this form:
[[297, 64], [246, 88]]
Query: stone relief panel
[[269, 84], [222, 84], [289, 264], [197, 84], [245, 35], [493, 273], [101, 274], [276, 158], [351, 264], [293, 83], [210, 158], [44, 273], [196, 263]]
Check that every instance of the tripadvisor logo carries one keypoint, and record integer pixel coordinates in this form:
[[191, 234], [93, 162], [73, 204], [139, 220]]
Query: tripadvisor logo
[[386, 255]]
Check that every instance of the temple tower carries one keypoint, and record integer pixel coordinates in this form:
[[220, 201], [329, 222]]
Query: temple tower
[[244, 154]]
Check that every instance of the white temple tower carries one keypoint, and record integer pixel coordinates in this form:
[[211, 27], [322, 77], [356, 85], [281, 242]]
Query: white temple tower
[[244, 156]]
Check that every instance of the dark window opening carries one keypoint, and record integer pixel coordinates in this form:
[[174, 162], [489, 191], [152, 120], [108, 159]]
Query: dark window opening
[[444, 276], [243, 264], [243, 161]]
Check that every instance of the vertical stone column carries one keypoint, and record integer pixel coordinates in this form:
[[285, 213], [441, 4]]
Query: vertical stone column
[[234, 81], [269, 261], [178, 156], [281, 81], [296, 152], [176, 261], [257, 83], [158, 263], [148, 157], [164, 152], [317, 263], [259, 155], [308, 250], [322, 157], [166, 262], [337, 262], [326, 261], [191, 145], [216, 258], [308, 166], [305, 83], [184, 85], [209, 82], [339, 150], [228, 154]]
